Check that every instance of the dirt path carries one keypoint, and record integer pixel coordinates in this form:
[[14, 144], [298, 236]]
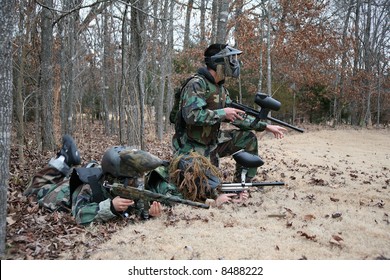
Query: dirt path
[[335, 205]]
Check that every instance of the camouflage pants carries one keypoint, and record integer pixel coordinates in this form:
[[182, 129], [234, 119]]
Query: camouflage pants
[[229, 142], [51, 189]]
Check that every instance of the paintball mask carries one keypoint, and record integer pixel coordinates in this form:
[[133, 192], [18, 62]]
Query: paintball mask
[[227, 58]]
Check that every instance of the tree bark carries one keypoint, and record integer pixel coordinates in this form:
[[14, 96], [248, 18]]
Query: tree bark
[[122, 87], [214, 20], [368, 65], [186, 43], [353, 104], [202, 22], [7, 22], [169, 86], [223, 15], [137, 74], [269, 73], [19, 106], [104, 85], [338, 106], [163, 72], [46, 79]]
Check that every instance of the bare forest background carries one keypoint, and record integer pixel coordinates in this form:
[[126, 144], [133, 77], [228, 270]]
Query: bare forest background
[[68, 63]]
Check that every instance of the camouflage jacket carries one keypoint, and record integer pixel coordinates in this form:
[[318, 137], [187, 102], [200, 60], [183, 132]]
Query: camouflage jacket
[[52, 190], [202, 109]]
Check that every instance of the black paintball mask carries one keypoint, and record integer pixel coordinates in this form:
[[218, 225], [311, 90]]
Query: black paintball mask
[[226, 58]]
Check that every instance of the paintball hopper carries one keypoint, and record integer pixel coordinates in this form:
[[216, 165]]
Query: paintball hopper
[[247, 160], [267, 102]]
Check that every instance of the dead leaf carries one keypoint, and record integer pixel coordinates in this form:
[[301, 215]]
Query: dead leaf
[[10, 221], [337, 238], [310, 237], [309, 217]]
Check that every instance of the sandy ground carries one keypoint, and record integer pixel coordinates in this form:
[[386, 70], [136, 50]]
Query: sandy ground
[[335, 205]]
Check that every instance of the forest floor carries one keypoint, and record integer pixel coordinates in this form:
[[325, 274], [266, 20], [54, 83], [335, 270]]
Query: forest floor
[[335, 204]]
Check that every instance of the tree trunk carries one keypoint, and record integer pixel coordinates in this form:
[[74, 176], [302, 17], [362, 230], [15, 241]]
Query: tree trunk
[[122, 87], [7, 22], [104, 86], [137, 74], [223, 14], [46, 79], [368, 65], [353, 104], [163, 70], [261, 43], [202, 22], [19, 106], [269, 78], [156, 55], [70, 69], [214, 19], [186, 43], [169, 99], [338, 105]]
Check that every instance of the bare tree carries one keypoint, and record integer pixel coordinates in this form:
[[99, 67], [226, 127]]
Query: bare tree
[[186, 41], [19, 106], [137, 69], [223, 15], [261, 43], [353, 104], [368, 64], [104, 82], [269, 64], [203, 7], [169, 59], [214, 20], [46, 78], [337, 100], [7, 22], [164, 50], [123, 102]]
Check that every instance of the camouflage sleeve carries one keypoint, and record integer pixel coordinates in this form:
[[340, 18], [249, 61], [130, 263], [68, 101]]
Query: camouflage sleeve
[[194, 105], [245, 124], [86, 211]]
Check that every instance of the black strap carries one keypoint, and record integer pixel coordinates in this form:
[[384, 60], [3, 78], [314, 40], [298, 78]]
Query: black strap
[[97, 191], [89, 176]]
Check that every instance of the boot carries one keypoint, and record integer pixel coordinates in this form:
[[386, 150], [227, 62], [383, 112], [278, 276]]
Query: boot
[[69, 151], [60, 165]]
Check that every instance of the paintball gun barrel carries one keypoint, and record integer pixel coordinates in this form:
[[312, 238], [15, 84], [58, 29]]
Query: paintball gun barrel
[[146, 196], [266, 103], [246, 160], [239, 187]]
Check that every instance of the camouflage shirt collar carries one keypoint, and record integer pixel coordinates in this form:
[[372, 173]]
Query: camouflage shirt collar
[[205, 73]]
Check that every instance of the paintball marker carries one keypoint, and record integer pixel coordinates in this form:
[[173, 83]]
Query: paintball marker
[[143, 197], [246, 160], [266, 103]]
